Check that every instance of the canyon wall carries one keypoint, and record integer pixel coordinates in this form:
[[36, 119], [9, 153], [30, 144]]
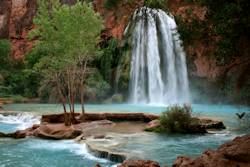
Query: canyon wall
[[16, 20]]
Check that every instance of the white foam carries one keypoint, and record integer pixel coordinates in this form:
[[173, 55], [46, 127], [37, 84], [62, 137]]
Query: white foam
[[72, 146], [22, 120]]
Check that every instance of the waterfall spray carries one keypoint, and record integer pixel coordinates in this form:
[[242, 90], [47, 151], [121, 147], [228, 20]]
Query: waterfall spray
[[158, 71]]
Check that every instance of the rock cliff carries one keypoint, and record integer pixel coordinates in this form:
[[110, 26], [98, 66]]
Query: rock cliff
[[16, 20]]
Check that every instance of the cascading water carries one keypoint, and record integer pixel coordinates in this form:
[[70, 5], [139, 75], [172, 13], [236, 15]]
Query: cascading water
[[158, 71]]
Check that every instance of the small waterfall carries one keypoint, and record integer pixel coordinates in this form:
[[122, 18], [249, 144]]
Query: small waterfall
[[22, 120], [158, 71]]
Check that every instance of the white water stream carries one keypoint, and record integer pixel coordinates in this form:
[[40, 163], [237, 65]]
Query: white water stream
[[158, 68]]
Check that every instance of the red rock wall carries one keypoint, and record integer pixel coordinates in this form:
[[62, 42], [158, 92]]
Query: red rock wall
[[16, 17]]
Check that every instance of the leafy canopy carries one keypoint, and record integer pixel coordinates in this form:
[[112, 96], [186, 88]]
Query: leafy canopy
[[66, 34]]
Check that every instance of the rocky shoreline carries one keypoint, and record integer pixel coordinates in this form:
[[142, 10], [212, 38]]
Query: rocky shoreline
[[91, 127], [52, 126], [234, 153]]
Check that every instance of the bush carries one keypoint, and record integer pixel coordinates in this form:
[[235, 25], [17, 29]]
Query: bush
[[110, 57], [178, 119], [96, 87], [109, 4], [4, 54], [159, 4]]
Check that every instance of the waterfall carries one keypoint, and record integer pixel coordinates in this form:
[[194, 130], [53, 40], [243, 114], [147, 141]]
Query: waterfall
[[158, 73]]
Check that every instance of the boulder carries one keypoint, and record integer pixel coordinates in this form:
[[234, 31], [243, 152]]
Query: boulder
[[237, 150], [196, 128], [139, 163], [211, 124], [19, 134], [99, 136], [153, 124], [231, 154], [56, 131]]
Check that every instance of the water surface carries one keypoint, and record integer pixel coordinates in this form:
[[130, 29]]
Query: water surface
[[162, 148]]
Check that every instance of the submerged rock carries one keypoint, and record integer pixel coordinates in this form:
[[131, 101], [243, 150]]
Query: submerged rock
[[106, 153], [235, 153]]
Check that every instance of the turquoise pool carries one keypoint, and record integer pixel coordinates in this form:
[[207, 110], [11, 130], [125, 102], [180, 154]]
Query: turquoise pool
[[161, 148]]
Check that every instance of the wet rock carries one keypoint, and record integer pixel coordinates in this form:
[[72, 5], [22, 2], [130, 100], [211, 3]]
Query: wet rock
[[139, 163], [153, 124], [212, 124], [57, 131], [106, 153], [59, 118], [99, 136], [196, 128], [119, 117], [97, 165], [18, 134], [235, 153], [55, 118], [237, 150]]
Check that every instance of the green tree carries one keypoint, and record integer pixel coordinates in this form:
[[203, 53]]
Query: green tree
[[4, 55], [68, 35]]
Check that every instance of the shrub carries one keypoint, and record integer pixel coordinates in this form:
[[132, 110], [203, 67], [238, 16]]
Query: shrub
[[109, 4], [4, 54], [178, 119], [159, 4]]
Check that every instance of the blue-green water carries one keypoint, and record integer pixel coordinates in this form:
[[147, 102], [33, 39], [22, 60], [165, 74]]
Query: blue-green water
[[162, 148]]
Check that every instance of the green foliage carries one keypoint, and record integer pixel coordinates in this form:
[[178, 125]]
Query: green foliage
[[15, 78], [158, 129], [190, 30], [109, 60], [226, 21], [66, 33], [68, 37], [177, 119], [116, 98], [109, 4], [96, 87], [159, 4], [4, 55]]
